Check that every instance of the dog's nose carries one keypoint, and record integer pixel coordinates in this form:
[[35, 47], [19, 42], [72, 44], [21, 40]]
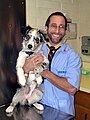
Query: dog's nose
[[29, 46]]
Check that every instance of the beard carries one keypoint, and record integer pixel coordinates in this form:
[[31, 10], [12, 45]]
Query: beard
[[57, 39]]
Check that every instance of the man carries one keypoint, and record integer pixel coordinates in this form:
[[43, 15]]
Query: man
[[62, 80]]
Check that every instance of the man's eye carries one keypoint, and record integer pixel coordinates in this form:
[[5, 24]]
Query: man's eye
[[62, 26], [54, 26]]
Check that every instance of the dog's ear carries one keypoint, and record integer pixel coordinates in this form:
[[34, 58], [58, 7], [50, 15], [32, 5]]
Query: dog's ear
[[25, 30], [28, 28], [44, 35]]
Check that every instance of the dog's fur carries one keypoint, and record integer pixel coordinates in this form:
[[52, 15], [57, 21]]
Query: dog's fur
[[31, 91]]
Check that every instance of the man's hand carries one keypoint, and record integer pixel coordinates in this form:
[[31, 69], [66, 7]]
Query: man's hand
[[32, 62]]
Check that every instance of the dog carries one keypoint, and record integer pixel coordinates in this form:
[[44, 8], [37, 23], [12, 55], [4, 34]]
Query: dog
[[31, 91]]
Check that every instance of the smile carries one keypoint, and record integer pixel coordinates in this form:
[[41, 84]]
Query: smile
[[56, 35]]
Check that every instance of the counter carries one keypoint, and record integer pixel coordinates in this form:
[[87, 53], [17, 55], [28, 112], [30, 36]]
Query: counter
[[30, 113], [85, 83]]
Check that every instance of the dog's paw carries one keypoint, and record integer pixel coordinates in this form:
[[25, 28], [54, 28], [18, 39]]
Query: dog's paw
[[44, 66], [22, 81], [38, 106], [10, 109]]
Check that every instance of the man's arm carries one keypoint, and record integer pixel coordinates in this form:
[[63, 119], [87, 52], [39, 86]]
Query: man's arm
[[59, 82]]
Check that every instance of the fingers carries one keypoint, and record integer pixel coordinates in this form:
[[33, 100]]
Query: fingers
[[32, 62], [37, 59]]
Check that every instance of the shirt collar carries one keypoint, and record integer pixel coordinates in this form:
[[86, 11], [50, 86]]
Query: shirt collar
[[62, 49]]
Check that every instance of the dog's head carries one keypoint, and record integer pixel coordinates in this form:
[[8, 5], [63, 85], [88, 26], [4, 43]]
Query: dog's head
[[33, 39]]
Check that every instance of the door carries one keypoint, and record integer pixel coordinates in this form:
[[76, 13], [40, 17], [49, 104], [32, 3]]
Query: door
[[12, 18]]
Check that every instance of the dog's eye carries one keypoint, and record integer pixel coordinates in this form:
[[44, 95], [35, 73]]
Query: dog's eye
[[37, 40], [28, 37]]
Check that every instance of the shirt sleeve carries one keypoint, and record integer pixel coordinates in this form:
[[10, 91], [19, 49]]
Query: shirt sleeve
[[74, 69]]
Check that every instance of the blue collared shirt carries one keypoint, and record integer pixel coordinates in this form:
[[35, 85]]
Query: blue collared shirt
[[65, 63]]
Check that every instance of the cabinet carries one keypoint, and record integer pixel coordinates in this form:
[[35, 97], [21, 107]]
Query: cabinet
[[82, 105]]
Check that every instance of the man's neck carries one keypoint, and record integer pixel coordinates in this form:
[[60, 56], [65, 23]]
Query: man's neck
[[55, 45]]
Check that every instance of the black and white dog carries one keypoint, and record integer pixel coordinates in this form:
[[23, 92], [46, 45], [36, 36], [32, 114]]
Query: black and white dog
[[31, 91]]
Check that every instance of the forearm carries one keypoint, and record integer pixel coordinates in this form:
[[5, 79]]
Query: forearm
[[59, 82]]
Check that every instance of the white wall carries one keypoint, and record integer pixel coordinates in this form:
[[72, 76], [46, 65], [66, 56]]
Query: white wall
[[84, 23], [37, 12]]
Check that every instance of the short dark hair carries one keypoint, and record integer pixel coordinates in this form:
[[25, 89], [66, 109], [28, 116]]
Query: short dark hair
[[56, 14]]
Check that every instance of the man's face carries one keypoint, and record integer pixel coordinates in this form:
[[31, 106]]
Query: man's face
[[56, 29]]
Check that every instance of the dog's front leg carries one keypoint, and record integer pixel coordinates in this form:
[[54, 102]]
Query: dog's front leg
[[39, 79], [39, 69], [19, 68], [46, 61], [37, 72]]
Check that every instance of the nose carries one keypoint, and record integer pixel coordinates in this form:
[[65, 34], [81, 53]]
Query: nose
[[29, 46], [57, 29]]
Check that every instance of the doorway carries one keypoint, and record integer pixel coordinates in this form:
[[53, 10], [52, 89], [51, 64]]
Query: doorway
[[12, 19]]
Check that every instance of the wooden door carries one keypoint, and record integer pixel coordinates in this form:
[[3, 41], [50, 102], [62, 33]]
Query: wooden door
[[12, 18]]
